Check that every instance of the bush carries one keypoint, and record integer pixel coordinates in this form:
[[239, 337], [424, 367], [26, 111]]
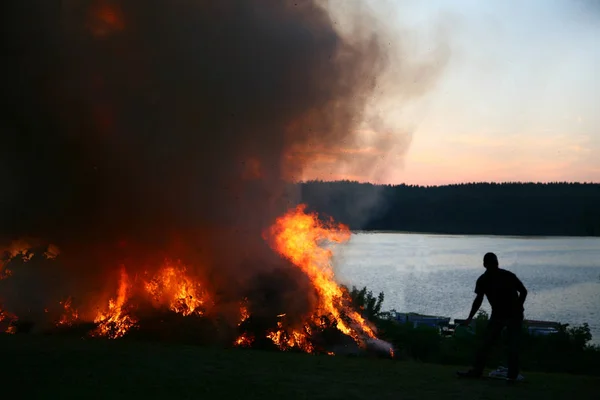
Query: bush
[[421, 343], [566, 351], [365, 303]]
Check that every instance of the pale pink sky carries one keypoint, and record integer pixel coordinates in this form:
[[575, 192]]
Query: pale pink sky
[[517, 98]]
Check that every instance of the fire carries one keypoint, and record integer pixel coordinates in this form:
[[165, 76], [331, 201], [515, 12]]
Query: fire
[[294, 339], [70, 315], [14, 249], [51, 252], [299, 236], [244, 314], [7, 319], [17, 248], [115, 321], [172, 286], [245, 340]]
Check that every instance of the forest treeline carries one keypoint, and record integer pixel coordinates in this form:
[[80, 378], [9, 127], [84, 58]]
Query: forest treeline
[[549, 209]]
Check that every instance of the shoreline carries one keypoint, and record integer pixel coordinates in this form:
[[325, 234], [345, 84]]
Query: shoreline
[[491, 235]]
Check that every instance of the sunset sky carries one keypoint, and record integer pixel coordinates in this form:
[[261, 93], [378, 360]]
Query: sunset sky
[[517, 100]]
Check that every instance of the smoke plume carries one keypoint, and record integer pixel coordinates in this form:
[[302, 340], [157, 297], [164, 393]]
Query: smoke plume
[[133, 131], [137, 130]]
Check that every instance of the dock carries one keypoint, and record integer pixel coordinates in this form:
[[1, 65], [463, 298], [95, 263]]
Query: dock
[[447, 326]]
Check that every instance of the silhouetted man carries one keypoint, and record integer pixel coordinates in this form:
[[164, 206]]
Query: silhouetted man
[[506, 294]]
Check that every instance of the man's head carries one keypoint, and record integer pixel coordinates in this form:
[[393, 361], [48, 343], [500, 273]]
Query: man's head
[[490, 261]]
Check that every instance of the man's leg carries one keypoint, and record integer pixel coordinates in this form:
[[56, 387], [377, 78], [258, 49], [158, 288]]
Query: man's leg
[[514, 339], [492, 333]]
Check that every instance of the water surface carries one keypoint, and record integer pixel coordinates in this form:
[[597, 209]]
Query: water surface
[[436, 274]]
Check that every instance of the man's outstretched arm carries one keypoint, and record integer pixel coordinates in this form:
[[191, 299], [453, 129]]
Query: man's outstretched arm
[[474, 308]]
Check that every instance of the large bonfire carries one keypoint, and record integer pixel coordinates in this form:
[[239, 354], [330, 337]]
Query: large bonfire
[[297, 236], [155, 144]]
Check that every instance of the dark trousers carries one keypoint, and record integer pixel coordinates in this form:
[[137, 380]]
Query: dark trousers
[[492, 332]]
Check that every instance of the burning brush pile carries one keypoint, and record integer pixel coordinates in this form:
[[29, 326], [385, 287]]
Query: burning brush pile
[[148, 151], [298, 237]]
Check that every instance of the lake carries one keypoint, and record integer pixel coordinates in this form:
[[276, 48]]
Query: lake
[[436, 274]]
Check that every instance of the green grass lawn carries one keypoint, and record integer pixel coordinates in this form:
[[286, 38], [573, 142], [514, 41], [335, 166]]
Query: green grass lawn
[[59, 367]]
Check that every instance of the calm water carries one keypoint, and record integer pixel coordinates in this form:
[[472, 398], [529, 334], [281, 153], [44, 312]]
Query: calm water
[[435, 274]]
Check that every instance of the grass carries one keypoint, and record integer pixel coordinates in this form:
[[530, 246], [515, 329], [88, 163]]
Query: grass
[[61, 367]]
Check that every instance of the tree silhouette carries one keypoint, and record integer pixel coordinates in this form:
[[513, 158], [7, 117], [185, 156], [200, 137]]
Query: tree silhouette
[[561, 208]]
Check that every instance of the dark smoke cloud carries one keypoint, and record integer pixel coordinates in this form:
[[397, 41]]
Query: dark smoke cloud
[[136, 130]]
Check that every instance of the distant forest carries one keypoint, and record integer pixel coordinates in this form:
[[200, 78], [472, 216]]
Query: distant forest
[[548, 209]]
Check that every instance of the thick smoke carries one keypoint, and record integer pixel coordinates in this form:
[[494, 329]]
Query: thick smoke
[[142, 129]]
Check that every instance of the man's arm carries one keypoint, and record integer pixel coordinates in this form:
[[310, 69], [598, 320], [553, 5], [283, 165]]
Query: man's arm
[[522, 291], [474, 308]]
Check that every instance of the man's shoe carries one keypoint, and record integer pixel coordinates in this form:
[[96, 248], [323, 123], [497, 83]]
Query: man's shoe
[[469, 374]]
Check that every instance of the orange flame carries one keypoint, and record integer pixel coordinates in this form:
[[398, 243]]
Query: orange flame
[[115, 322], [294, 339], [14, 249], [9, 319], [70, 315], [172, 286], [244, 314], [298, 236], [17, 248], [245, 340]]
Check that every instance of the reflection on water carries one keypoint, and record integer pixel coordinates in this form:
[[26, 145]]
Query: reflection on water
[[435, 274]]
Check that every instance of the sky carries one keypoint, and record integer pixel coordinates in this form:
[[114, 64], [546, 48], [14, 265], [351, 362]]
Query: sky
[[517, 96]]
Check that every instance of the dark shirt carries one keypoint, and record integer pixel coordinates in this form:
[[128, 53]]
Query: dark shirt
[[500, 287]]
